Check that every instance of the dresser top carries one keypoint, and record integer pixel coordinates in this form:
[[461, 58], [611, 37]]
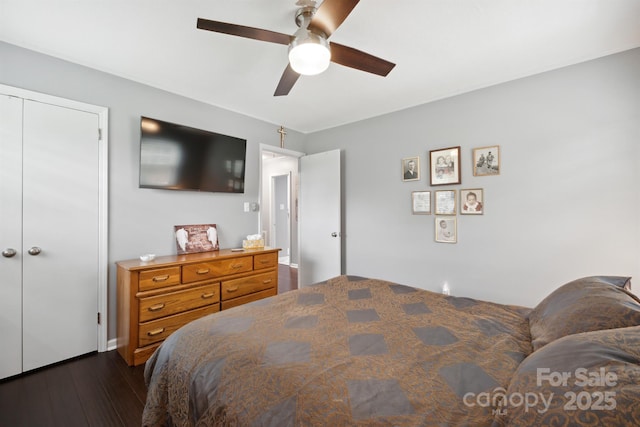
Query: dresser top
[[169, 260]]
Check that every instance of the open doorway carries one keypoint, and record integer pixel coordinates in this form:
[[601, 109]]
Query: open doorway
[[281, 215], [279, 179], [315, 218]]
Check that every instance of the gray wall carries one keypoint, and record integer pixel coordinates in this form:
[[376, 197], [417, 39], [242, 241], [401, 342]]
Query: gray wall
[[564, 206], [142, 220]]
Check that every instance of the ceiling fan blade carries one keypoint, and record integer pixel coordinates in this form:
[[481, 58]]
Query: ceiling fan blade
[[354, 58], [288, 79], [331, 14], [242, 31]]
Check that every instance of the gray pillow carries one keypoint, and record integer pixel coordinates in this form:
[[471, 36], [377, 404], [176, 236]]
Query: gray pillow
[[582, 379], [587, 304]]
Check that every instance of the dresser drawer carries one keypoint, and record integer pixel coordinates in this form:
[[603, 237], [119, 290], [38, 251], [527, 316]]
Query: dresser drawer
[[158, 278], [265, 261], [248, 285], [176, 302], [158, 330], [217, 268], [248, 298]]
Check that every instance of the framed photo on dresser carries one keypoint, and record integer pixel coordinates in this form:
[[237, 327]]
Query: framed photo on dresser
[[196, 238]]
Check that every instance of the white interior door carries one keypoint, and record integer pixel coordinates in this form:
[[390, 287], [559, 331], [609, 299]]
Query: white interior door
[[10, 235], [60, 233], [320, 218]]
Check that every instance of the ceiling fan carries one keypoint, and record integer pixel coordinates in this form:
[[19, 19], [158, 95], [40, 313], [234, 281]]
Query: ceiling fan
[[309, 50]]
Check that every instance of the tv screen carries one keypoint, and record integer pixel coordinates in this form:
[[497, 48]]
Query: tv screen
[[177, 157]]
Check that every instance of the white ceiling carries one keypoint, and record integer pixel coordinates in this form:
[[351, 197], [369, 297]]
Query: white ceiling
[[441, 48]]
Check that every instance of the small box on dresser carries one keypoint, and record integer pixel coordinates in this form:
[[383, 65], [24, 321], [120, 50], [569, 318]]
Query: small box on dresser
[[156, 298]]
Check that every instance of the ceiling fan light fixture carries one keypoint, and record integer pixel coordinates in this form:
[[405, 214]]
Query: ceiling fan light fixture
[[309, 53]]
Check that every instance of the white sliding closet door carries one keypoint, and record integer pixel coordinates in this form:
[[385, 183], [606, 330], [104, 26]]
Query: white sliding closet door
[[10, 235], [60, 233]]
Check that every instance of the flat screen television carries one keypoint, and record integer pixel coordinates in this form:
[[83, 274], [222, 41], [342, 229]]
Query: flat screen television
[[178, 157]]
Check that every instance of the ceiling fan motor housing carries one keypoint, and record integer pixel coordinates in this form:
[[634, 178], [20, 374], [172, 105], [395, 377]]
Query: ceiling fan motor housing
[[304, 15]]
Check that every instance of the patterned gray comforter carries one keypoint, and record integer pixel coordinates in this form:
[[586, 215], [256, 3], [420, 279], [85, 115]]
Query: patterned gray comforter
[[350, 351]]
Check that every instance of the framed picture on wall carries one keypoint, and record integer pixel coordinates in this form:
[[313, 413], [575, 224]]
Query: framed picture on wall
[[472, 201], [421, 202], [411, 169], [486, 160], [444, 165], [446, 229], [445, 201]]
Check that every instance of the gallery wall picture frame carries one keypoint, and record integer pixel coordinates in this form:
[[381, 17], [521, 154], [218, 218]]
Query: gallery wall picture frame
[[196, 238], [411, 169], [444, 166], [446, 229], [472, 201], [421, 202], [445, 202], [487, 161]]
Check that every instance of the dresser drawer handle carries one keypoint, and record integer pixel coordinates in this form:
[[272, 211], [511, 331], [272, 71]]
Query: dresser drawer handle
[[157, 307], [265, 261], [266, 281], [155, 332], [160, 278], [236, 266], [232, 289], [208, 295], [202, 271]]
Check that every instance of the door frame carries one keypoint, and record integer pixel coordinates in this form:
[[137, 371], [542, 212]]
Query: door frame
[[292, 193], [103, 194]]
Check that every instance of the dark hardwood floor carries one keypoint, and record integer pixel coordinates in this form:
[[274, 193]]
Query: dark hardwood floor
[[287, 278], [98, 389]]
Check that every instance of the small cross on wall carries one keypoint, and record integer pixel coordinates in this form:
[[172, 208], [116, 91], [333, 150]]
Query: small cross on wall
[[282, 133]]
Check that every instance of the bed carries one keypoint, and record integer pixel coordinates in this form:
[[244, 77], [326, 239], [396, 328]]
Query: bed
[[356, 351]]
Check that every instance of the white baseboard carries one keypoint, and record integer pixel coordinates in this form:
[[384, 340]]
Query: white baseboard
[[112, 344]]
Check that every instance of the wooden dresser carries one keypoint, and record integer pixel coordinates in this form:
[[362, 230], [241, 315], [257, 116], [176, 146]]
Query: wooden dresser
[[157, 297]]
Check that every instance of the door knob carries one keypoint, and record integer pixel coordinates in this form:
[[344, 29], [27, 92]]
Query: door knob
[[9, 252], [334, 234], [34, 250]]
